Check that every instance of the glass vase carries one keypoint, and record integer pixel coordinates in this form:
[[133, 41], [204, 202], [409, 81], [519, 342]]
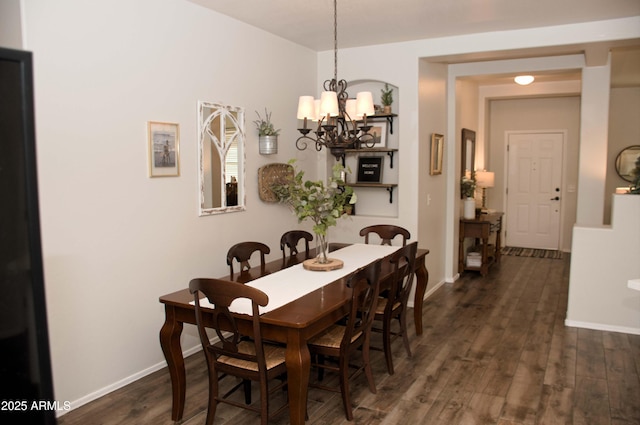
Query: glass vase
[[322, 249]]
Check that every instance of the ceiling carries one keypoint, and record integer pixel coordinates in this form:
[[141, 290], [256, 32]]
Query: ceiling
[[371, 22]]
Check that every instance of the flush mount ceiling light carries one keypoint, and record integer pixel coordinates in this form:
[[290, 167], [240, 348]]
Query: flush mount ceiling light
[[524, 80], [337, 115]]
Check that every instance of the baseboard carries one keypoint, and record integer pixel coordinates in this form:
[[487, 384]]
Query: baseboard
[[601, 327], [428, 293], [123, 382]]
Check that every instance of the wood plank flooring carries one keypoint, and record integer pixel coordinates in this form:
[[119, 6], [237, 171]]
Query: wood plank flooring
[[494, 351]]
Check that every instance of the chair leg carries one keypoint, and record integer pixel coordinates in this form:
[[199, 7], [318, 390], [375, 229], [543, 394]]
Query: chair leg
[[213, 395], [264, 402], [320, 368], [367, 365], [344, 387], [403, 329], [386, 341], [247, 391]]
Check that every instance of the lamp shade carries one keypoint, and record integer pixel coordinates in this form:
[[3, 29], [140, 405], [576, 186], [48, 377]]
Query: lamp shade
[[485, 179], [351, 109], [306, 108], [329, 104], [364, 103]]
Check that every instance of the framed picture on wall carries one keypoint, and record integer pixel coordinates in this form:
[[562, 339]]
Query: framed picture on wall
[[437, 149], [370, 169], [164, 149], [379, 133]]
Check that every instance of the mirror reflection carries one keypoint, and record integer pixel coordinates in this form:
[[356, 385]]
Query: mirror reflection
[[627, 161], [468, 152], [221, 134]]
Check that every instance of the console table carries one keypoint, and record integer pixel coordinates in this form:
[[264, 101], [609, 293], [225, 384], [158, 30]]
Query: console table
[[481, 228]]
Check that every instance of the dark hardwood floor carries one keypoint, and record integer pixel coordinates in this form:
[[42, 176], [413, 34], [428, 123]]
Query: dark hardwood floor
[[494, 351]]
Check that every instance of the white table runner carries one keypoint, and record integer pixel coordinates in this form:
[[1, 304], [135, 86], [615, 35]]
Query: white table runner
[[294, 282]]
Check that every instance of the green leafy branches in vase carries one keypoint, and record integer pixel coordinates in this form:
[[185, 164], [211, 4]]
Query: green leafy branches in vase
[[321, 203], [468, 185]]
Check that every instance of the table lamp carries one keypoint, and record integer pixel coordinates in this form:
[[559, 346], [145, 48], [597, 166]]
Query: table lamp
[[485, 179]]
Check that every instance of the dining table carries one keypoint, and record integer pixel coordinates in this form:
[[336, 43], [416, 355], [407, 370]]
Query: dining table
[[292, 319]]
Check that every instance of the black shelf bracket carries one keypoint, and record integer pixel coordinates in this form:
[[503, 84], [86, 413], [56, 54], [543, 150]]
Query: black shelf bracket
[[390, 153], [390, 121], [390, 190]]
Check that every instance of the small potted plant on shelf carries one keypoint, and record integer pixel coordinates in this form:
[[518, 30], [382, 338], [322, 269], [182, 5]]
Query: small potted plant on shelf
[[386, 97], [322, 203], [267, 134]]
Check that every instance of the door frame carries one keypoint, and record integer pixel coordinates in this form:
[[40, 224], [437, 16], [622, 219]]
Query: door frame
[[563, 181]]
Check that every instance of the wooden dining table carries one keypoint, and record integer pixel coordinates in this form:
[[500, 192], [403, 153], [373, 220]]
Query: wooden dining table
[[292, 324]]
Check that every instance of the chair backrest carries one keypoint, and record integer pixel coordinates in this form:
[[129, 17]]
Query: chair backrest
[[403, 262], [386, 232], [242, 252], [365, 284], [290, 240], [221, 294]]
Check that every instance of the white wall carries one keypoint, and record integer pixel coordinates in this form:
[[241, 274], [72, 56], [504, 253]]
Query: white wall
[[114, 240], [599, 297], [624, 131], [432, 194]]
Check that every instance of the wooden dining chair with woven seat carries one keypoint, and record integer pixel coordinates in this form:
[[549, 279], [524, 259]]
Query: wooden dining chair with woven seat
[[393, 305], [338, 343], [242, 252], [290, 240], [386, 232], [245, 358]]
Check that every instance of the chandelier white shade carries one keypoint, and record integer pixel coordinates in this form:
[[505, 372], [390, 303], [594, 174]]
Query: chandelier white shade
[[329, 104], [306, 108], [364, 104]]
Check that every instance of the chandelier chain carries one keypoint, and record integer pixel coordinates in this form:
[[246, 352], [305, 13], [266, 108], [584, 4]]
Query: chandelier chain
[[335, 40]]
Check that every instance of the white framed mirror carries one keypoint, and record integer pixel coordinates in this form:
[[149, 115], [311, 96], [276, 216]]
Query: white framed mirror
[[221, 151]]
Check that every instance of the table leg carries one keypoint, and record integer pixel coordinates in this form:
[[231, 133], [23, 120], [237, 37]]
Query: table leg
[[298, 362], [484, 270], [170, 343], [422, 278]]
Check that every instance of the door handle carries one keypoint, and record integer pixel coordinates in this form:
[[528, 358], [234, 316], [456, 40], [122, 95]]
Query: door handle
[[557, 198]]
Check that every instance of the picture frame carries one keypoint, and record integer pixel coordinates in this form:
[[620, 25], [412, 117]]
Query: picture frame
[[370, 169], [379, 132], [163, 140], [437, 150]]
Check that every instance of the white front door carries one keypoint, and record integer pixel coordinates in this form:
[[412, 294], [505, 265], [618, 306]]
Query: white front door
[[534, 176]]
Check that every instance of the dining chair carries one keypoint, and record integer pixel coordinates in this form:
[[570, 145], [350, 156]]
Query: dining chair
[[341, 341], [393, 305], [242, 252], [233, 354], [386, 232], [290, 240]]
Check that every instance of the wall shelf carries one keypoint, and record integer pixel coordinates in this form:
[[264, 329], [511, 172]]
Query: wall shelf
[[388, 186], [390, 152]]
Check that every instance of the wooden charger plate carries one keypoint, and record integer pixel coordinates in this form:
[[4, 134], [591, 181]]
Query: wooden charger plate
[[333, 264]]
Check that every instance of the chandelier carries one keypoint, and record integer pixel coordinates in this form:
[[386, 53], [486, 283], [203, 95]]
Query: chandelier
[[337, 115]]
